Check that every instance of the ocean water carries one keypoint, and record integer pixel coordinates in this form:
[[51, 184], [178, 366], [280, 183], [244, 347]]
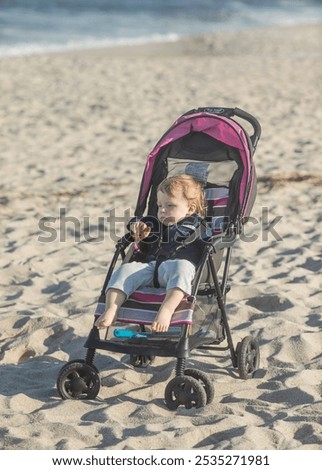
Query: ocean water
[[36, 26]]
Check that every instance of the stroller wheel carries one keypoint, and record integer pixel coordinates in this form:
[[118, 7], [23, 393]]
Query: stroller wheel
[[247, 357], [204, 381], [141, 361], [78, 380], [185, 390]]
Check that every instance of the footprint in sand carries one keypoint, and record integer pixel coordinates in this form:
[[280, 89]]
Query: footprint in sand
[[59, 292], [270, 303]]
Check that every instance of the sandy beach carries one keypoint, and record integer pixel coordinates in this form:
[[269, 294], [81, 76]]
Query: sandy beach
[[75, 132]]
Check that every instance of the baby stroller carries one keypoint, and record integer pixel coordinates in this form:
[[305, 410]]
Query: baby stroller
[[211, 145]]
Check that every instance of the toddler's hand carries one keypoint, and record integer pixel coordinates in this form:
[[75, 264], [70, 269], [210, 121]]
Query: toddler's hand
[[140, 231]]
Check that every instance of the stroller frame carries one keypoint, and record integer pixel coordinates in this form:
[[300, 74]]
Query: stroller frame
[[79, 379]]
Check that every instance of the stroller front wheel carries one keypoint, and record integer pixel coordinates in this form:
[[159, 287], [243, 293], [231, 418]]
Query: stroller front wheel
[[247, 357], [205, 382], [78, 380], [185, 390]]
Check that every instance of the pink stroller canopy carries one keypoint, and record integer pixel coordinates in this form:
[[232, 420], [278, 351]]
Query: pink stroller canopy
[[221, 128]]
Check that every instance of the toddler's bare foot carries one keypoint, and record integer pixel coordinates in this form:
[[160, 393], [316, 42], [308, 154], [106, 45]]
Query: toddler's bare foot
[[105, 320], [162, 321], [114, 299]]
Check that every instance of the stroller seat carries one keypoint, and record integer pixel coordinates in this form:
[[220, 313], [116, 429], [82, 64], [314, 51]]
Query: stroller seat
[[142, 306]]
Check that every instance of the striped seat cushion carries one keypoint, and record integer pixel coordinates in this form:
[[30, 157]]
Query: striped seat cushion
[[217, 200], [142, 306]]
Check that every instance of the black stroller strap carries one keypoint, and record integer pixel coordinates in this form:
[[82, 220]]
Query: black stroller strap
[[155, 273], [198, 233]]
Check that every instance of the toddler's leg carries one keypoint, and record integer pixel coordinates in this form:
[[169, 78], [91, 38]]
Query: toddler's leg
[[125, 280], [172, 299], [114, 299], [176, 275]]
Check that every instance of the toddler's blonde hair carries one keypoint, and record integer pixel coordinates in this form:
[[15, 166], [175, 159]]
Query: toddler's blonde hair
[[191, 190]]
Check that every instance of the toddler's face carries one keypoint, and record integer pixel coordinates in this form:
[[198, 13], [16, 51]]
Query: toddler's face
[[172, 209]]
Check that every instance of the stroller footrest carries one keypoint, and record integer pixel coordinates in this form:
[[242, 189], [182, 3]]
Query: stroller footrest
[[137, 346]]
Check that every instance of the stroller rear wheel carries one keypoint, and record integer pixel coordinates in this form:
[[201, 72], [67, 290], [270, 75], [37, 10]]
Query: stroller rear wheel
[[78, 380], [204, 380], [247, 357], [185, 390], [140, 361]]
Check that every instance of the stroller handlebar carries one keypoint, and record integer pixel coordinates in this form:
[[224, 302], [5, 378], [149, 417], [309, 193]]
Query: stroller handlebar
[[230, 112], [254, 123]]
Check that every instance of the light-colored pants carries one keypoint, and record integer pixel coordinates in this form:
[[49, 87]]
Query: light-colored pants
[[172, 273]]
